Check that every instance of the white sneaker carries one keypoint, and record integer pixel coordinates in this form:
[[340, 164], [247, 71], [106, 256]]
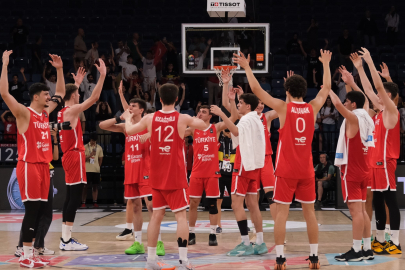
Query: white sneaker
[[18, 252], [44, 251], [185, 265], [72, 244], [158, 264]]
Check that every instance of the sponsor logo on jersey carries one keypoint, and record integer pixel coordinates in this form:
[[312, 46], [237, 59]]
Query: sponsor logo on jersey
[[165, 150], [204, 139], [43, 145], [134, 158], [300, 141], [41, 125], [165, 119], [211, 130], [300, 110], [204, 157], [365, 150], [377, 122]]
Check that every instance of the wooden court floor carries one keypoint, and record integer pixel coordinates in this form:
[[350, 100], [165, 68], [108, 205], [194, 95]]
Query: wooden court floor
[[98, 231]]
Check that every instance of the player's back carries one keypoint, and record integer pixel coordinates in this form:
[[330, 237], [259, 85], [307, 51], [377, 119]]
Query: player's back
[[35, 145], [168, 166], [294, 151], [70, 139]]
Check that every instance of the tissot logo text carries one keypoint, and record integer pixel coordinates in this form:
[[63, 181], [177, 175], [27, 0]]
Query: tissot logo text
[[225, 4]]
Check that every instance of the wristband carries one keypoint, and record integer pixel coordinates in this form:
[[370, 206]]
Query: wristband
[[117, 119]]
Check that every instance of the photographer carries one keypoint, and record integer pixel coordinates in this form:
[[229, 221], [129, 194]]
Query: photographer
[[324, 172]]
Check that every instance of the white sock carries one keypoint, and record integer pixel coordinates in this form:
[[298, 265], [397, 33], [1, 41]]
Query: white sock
[[183, 254], [130, 226], [138, 237], [152, 253], [367, 243], [387, 227], [259, 238], [395, 237], [160, 237], [213, 228], [313, 249], [280, 251], [67, 234], [356, 245], [27, 251], [381, 236], [191, 229], [245, 239], [63, 230]]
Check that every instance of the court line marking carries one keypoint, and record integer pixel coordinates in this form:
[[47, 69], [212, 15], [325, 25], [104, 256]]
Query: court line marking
[[97, 219], [341, 211]]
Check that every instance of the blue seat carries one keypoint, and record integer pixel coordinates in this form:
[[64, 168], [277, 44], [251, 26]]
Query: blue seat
[[4, 106], [295, 59], [278, 74], [279, 59], [277, 83], [312, 92], [189, 112]]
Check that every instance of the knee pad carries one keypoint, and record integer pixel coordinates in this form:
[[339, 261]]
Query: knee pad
[[212, 206], [269, 196]]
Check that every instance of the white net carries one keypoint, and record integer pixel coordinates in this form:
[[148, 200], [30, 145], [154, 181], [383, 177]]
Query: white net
[[219, 69]]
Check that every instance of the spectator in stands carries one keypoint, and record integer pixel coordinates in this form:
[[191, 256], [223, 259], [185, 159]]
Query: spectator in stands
[[108, 93], [293, 47], [158, 50], [196, 45], [345, 48], [36, 55], [87, 88], [122, 52], [103, 112], [132, 44], [149, 102], [51, 81], [92, 55], [171, 54], [324, 171], [16, 88], [149, 69], [312, 33], [80, 48], [392, 20], [10, 127], [135, 85], [127, 69], [199, 58], [265, 84], [19, 34], [317, 132], [313, 63], [170, 75], [329, 115], [180, 99], [94, 159], [369, 29]]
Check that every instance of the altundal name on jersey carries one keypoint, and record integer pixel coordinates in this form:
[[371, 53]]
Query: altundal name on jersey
[[300, 110]]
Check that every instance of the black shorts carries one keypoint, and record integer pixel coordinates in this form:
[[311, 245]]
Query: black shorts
[[93, 178], [225, 181]]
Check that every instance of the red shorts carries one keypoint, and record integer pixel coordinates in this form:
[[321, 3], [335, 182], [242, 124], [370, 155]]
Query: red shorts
[[304, 190], [33, 181], [266, 174], [74, 164], [198, 185], [135, 191], [242, 185], [384, 178], [353, 191], [370, 178], [176, 199]]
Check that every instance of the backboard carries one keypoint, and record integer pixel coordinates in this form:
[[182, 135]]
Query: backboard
[[199, 58]]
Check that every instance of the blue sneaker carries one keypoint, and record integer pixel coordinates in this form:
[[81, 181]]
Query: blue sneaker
[[260, 249], [241, 250]]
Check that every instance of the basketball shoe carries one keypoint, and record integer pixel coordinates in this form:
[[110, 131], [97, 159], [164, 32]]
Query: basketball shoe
[[18, 252], [191, 239], [368, 254], [126, 234], [376, 245], [32, 261], [44, 251], [313, 262], [136, 248], [390, 248], [158, 264], [350, 256], [241, 250], [72, 244], [160, 249], [281, 263], [212, 241], [185, 265], [260, 249]]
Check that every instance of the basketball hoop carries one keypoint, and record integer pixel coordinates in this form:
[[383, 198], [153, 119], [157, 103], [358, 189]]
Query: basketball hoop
[[219, 69]]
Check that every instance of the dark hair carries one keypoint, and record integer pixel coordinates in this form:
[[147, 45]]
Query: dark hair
[[141, 103], [134, 72], [8, 114], [332, 106], [70, 89], [36, 89], [168, 93], [296, 85], [251, 100], [129, 56], [15, 75], [150, 52], [206, 107], [392, 88], [93, 136], [148, 111], [149, 96], [94, 42], [90, 75], [357, 97]]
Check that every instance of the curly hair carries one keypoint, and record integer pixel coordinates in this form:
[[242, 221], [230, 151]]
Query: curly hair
[[296, 85]]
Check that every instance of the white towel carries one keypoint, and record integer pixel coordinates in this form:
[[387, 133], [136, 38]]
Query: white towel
[[366, 128], [251, 141]]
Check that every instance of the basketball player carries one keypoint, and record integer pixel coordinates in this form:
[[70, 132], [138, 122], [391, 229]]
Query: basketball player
[[205, 173], [248, 162], [168, 175], [294, 167], [34, 152], [351, 156], [73, 159], [384, 159], [136, 171]]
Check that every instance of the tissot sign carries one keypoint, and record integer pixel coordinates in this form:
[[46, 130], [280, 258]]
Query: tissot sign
[[235, 8], [225, 4]]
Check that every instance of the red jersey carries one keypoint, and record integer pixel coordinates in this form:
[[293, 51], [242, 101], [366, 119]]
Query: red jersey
[[205, 149], [238, 169], [70, 139], [167, 153], [387, 142], [137, 159], [294, 151], [267, 135], [356, 169], [35, 145], [10, 128]]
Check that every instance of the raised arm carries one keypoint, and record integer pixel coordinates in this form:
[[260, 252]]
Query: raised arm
[[385, 73], [81, 72], [228, 122], [22, 73], [112, 125], [17, 109], [226, 78], [57, 63], [2, 116], [207, 47], [351, 118], [183, 96], [319, 100], [390, 117], [122, 98], [277, 104]]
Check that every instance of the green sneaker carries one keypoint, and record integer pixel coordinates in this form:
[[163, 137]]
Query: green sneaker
[[387, 237], [260, 249], [160, 249], [136, 248], [241, 250]]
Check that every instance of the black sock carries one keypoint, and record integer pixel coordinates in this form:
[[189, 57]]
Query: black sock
[[243, 227]]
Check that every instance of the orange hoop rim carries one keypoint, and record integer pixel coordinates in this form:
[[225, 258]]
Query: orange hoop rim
[[225, 67]]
